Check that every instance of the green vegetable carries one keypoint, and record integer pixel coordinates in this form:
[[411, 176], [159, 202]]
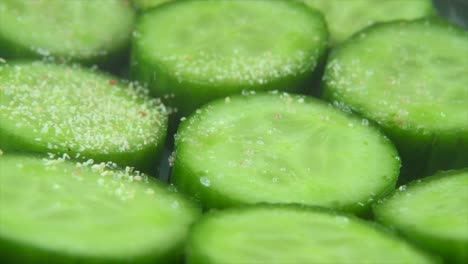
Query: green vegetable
[[280, 148], [272, 234], [432, 213], [191, 52], [346, 17], [54, 211], [62, 30], [58, 109], [409, 77]]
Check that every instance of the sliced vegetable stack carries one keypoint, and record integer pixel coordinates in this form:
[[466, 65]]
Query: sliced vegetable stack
[[84, 31], [59, 211], [268, 234], [433, 213], [411, 78], [208, 53], [86, 114], [280, 148]]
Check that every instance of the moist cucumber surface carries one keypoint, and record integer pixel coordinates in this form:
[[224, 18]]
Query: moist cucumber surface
[[81, 112], [268, 234], [63, 212], [280, 148], [346, 17], [85, 31], [432, 212], [208, 53], [410, 77]]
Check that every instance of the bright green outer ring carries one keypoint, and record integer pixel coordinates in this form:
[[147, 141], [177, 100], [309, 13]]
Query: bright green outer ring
[[207, 53], [56, 212], [432, 213], [82, 31], [69, 109], [409, 77], [280, 148], [294, 234]]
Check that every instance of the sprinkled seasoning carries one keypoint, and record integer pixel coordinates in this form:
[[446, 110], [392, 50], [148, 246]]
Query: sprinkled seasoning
[[230, 51], [61, 109], [411, 78]]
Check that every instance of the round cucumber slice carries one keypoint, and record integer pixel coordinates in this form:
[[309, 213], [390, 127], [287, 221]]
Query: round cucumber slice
[[208, 53], [432, 212], [280, 148], [61, 212], [84, 113], [267, 234], [416, 92], [347, 17], [84, 31]]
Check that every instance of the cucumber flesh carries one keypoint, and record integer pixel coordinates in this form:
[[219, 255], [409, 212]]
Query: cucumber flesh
[[268, 234], [49, 108], [84, 31], [64, 212], [345, 18], [432, 212], [416, 93], [228, 51], [281, 148]]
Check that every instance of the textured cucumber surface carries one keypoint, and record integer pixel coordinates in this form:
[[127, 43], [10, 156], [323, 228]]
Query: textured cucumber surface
[[433, 212], [58, 109], [293, 235], [54, 210], [346, 17], [256, 45], [410, 77], [77, 30], [281, 148]]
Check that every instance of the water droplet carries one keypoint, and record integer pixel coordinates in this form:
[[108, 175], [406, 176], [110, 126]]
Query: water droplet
[[205, 181]]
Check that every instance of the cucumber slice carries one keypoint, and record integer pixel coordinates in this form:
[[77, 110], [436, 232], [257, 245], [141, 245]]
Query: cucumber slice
[[347, 17], [60, 212], [144, 5], [280, 148], [84, 31], [432, 212], [208, 53], [416, 92], [84, 113], [268, 234]]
